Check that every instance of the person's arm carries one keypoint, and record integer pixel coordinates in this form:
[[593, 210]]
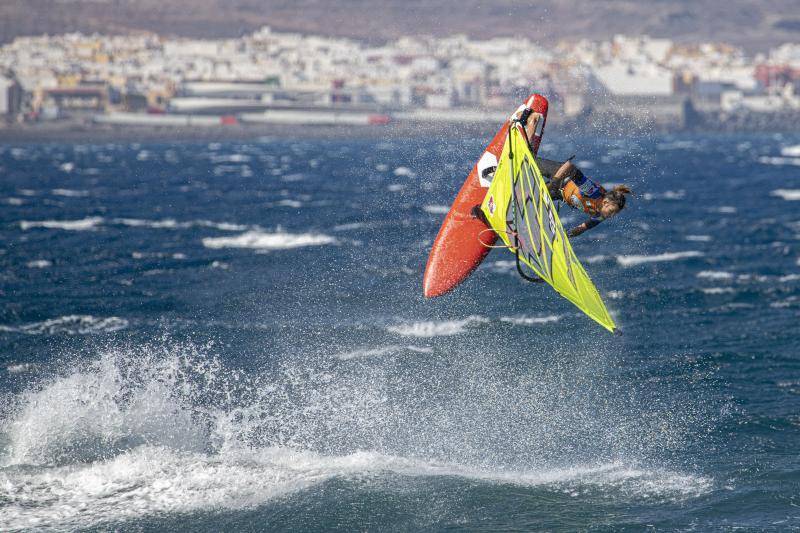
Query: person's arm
[[529, 119], [583, 227], [531, 123]]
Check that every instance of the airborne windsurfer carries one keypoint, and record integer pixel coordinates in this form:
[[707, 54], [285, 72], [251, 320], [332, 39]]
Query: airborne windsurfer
[[566, 183]]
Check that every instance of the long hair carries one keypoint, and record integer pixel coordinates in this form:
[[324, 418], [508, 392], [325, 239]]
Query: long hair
[[617, 195]]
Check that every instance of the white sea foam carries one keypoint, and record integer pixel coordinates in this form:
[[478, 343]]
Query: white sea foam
[[222, 226], [395, 187], [230, 158], [714, 274], [70, 325], [259, 240], [70, 193], [759, 278], [791, 151], [151, 480], [383, 351], [436, 209], [167, 223], [84, 224], [698, 238], [39, 263], [633, 260], [724, 210], [719, 290], [596, 259], [14, 201], [530, 320], [404, 171], [791, 301], [288, 202], [791, 195], [779, 161], [170, 223], [442, 328]]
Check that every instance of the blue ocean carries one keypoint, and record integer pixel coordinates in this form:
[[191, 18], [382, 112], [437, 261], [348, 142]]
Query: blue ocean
[[226, 336]]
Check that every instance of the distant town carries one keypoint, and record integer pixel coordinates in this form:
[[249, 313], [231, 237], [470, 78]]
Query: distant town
[[288, 78]]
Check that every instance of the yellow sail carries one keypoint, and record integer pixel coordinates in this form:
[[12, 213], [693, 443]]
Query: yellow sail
[[519, 208]]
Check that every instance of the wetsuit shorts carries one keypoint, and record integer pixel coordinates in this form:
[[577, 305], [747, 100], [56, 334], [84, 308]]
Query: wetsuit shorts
[[550, 167]]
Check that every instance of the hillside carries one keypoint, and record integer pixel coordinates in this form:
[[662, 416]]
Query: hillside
[[754, 25]]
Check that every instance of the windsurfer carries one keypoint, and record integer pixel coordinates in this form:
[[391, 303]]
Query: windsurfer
[[567, 183]]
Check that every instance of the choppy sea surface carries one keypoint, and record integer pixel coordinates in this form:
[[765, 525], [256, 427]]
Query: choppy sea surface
[[232, 336]]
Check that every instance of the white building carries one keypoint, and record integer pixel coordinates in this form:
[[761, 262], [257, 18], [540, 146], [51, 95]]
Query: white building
[[628, 79]]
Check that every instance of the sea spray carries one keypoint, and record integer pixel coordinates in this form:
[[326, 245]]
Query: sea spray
[[472, 410]]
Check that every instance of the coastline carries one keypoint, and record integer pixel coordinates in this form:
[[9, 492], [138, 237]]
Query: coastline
[[80, 131]]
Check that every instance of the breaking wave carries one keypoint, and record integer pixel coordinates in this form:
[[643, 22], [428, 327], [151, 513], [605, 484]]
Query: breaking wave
[[258, 240], [91, 223], [714, 274], [166, 429], [791, 151], [84, 224], [633, 260], [70, 193], [779, 161], [719, 290], [70, 325], [169, 223], [787, 194]]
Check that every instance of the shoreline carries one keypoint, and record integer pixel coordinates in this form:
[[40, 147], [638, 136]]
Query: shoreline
[[75, 131]]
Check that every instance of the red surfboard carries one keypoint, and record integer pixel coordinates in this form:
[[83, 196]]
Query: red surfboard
[[462, 242]]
